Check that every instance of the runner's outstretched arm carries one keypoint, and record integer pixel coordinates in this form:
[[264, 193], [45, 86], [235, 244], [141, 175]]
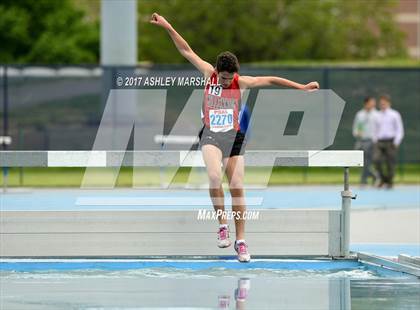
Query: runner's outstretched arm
[[182, 45], [261, 81]]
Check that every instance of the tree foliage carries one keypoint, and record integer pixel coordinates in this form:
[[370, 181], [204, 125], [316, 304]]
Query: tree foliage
[[46, 31], [270, 30], [58, 31]]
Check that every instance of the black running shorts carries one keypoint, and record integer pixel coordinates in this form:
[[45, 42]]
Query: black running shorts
[[231, 143]]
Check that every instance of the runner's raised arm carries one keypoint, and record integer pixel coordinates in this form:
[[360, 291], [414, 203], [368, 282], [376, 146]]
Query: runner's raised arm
[[182, 45]]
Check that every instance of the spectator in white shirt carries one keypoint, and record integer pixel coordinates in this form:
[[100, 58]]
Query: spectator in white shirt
[[388, 134], [363, 127]]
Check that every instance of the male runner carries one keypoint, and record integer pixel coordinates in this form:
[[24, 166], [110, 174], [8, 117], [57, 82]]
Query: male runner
[[221, 139]]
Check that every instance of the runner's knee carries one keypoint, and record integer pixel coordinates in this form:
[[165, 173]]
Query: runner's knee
[[236, 183], [215, 179]]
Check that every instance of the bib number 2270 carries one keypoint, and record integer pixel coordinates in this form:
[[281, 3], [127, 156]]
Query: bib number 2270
[[221, 120]]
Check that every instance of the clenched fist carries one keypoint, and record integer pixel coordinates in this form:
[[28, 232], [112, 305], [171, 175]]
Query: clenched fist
[[160, 21]]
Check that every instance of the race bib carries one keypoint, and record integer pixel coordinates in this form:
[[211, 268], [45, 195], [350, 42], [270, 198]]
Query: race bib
[[221, 120], [215, 90]]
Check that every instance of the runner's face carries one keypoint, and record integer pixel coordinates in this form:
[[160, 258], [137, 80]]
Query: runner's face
[[225, 78]]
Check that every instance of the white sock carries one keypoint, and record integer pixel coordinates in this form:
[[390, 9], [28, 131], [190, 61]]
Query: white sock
[[241, 240], [223, 226]]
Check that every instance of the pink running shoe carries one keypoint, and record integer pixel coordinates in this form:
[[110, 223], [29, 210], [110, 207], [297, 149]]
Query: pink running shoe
[[223, 237], [224, 301], [242, 249], [241, 293]]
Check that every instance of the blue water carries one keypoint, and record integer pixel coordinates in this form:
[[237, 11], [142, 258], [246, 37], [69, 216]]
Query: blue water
[[215, 284], [113, 265]]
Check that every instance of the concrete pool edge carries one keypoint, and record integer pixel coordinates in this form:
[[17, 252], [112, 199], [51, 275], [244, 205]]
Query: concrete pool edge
[[387, 263]]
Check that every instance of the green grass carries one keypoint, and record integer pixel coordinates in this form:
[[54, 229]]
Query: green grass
[[72, 177]]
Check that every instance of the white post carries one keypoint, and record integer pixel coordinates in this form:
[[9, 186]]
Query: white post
[[346, 196], [119, 33], [118, 43]]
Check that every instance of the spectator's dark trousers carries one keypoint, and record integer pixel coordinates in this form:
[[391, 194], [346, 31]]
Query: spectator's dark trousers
[[385, 152]]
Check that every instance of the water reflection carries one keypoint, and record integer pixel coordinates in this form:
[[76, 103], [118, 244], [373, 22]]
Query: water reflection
[[131, 290], [240, 295]]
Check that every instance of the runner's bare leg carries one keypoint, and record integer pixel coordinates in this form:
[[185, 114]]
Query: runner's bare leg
[[212, 156], [235, 170]]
